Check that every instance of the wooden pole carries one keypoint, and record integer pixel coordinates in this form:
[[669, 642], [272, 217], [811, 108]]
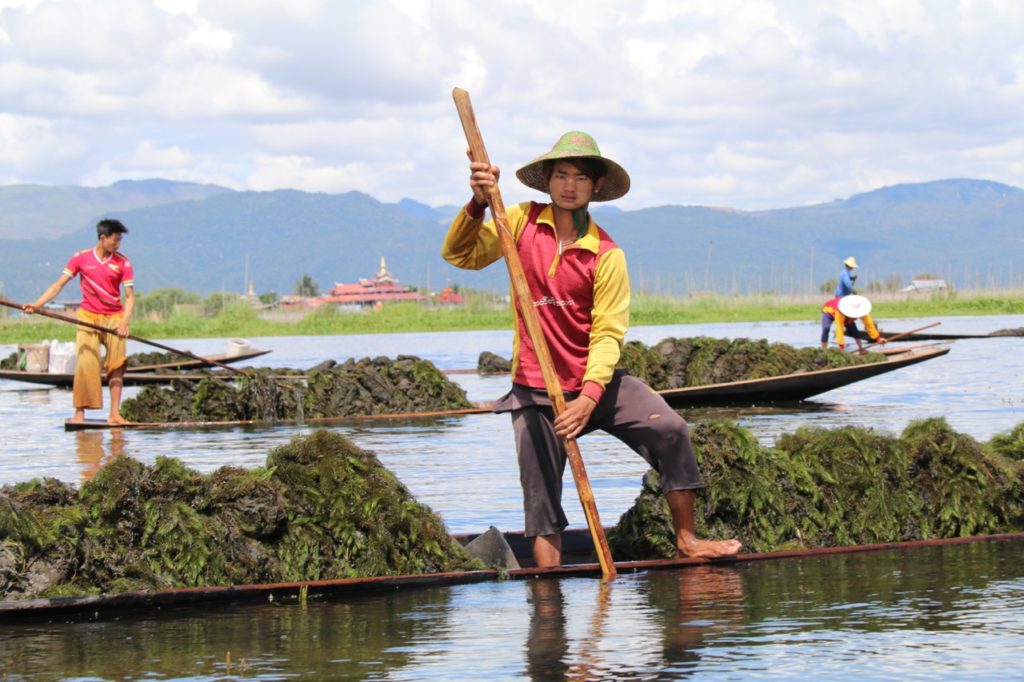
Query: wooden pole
[[912, 331], [521, 291], [100, 328]]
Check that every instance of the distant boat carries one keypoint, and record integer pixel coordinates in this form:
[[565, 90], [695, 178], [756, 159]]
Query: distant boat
[[142, 374], [929, 336]]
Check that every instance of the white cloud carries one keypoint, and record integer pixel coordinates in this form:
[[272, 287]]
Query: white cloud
[[150, 159], [278, 172], [748, 103], [31, 145]]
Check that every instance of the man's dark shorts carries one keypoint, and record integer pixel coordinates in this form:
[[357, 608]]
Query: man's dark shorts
[[630, 410]]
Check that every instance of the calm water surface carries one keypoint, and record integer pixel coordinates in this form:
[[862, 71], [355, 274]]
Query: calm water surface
[[951, 613]]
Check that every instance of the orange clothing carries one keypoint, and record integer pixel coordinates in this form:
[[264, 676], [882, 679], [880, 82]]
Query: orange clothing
[[87, 389], [831, 308]]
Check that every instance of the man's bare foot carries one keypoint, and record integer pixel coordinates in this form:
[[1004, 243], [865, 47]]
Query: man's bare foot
[[708, 549], [117, 419], [77, 419]]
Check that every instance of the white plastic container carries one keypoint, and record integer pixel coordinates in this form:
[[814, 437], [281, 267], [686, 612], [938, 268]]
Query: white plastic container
[[62, 358], [34, 357], [237, 347]]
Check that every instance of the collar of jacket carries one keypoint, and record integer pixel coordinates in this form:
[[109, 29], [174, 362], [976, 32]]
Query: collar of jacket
[[590, 241]]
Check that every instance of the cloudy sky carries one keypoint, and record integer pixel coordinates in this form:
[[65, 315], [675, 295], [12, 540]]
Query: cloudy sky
[[749, 104]]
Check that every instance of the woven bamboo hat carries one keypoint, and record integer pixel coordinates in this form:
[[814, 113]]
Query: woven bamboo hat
[[854, 306], [850, 262], [576, 145]]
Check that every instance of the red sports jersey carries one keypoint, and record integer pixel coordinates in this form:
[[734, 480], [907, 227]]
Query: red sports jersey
[[101, 280]]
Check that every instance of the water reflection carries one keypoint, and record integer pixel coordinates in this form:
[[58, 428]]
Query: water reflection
[[547, 646], [96, 449], [935, 611], [696, 605]]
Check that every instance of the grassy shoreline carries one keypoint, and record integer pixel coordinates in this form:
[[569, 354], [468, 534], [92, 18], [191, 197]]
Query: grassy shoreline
[[647, 310]]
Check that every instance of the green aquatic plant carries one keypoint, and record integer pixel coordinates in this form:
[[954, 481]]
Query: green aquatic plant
[[698, 361], [830, 487], [355, 387], [321, 508], [645, 530], [857, 489], [964, 488], [749, 488], [1010, 444], [378, 526]]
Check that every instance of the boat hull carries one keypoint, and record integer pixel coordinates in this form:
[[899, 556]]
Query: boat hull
[[791, 387], [296, 591]]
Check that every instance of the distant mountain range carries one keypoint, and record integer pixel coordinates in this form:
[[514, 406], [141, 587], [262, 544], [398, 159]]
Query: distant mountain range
[[202, 238]]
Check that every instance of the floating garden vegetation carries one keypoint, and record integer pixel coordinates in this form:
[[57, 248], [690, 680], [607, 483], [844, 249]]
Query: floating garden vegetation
[[490, 363], [322, 508], [701, 360], [355, 387], [832, 487]]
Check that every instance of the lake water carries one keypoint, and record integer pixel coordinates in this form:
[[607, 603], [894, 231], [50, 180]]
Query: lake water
[[952, 612]]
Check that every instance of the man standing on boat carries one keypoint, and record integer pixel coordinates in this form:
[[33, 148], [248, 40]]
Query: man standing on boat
[[845, 312], [579, 285], [846, 280], [101, 271]]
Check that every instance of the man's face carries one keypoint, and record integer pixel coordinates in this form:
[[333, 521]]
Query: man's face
[[570, 188], [112, 243]]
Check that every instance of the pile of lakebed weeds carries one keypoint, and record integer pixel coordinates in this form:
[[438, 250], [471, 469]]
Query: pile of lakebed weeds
[[822, 487], [701, 360], [321, 508], [369, 386]]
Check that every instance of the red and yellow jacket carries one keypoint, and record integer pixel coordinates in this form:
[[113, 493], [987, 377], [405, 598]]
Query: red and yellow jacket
[[831, 308], [581, 295]]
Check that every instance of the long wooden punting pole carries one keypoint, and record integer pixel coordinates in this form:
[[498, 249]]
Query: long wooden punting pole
[[101, 328], [897, 337], [521, 291]]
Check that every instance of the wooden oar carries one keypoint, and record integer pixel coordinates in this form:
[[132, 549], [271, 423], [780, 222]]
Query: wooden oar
[[101, 328], [912, 331], [521, 290]]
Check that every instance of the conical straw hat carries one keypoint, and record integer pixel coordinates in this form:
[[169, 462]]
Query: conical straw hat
[[854, 306], [576, 145]]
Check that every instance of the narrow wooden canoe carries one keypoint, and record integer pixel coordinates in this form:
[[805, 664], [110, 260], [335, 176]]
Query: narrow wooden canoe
[[789, 387], [786, 388], [575, 543], [142, 374], [929, 336]]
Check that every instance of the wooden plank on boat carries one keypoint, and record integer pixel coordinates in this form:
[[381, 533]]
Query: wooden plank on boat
[[99, 424], [290, 591]]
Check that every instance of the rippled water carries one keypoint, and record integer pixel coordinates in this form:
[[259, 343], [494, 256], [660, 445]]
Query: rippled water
[[933, 613], [949, 613]]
